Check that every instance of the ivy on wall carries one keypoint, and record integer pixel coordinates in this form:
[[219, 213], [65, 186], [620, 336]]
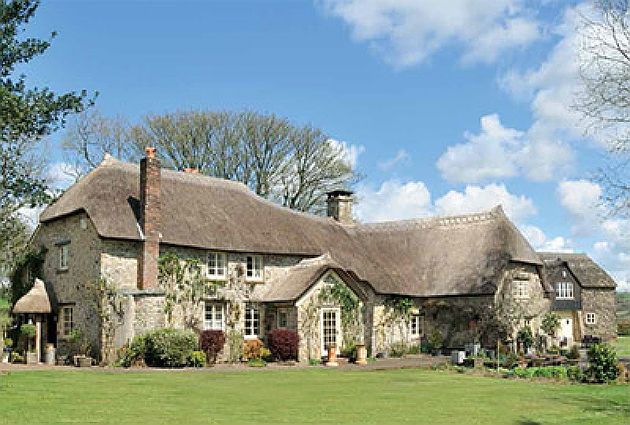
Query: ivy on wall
[[27, 268]]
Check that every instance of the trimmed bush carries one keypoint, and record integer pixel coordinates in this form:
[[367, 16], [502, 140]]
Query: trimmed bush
[[283, 344], [602, 360], [211, 342], [160, 348], [197, 359]]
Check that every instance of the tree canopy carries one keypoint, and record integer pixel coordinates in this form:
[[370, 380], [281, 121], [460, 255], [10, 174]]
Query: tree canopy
[[27, 114], [291, 165]]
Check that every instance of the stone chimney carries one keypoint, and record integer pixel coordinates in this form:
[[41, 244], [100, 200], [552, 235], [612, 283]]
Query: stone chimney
[[150, 219], [340, 205]]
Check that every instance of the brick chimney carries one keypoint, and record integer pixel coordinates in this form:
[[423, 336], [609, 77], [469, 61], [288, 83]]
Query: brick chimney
[[150, 219], [340, 205]]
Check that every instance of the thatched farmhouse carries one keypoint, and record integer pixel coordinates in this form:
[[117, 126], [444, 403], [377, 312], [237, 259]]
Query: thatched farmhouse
[[261, 266]]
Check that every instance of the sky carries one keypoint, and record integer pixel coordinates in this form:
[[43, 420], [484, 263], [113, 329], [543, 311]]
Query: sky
[[444, 107]]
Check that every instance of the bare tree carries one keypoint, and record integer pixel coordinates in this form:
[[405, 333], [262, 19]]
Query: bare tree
[[90, 136], [293, 166], [605, 97]]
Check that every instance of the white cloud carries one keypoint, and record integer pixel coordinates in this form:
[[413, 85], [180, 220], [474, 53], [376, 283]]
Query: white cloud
[[349, 152], [540, 242], [582, 199], [407, 32], [499, 152], [60, 175], [402, 157], [393, 201], [480, 198]]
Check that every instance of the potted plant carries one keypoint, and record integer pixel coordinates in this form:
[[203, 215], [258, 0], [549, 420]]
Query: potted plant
[[6, 351], [435, 341], [82, 348], [29, 332]]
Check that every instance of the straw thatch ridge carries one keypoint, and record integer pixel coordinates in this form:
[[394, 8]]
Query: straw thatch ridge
[[425, 257], [35, 301]]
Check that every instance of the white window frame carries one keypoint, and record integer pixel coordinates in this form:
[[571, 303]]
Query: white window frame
[[520, 289], [214, 323], [590, 318], [338, 335], [256, 271], [415, 325], [565, 291], [279, 313], [64, 254], [215, 272], [251, 321], [67, 320]]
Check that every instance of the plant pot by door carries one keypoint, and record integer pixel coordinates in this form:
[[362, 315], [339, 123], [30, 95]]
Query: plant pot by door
[[84, 361]]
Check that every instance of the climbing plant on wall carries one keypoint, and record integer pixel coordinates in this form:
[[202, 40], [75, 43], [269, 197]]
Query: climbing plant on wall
[[184, 285], [337, 293], [29, 267]]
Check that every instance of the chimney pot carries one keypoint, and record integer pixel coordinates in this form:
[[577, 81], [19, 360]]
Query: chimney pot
[[191, 170], [150, 151]]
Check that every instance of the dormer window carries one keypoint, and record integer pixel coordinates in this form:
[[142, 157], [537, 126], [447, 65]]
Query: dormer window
[[254, 268], [564, 291], [217, 265]]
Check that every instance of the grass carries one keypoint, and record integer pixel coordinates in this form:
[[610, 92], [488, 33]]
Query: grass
[[622, 346], [317, 396]]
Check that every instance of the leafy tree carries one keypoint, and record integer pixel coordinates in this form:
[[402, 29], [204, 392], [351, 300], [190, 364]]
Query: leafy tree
[[291, 165], [27, 114], [550, 323]]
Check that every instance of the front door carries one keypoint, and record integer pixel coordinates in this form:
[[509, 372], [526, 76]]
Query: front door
[[330, 326], [566, 331]]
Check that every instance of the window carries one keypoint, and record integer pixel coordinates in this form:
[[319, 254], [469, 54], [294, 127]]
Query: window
[[216, 265], [213, 316], [252, 321], [520, 289], [564, 290], [63, 256], [590, 318], [415, 325], [564, 273], [67, 320], [254, 267], [283, 318]]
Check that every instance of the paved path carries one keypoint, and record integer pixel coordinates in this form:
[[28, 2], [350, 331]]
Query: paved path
[[419, 361]]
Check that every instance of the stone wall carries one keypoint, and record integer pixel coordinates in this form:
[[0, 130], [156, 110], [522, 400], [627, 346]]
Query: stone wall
[[75, 285], [602, 303]]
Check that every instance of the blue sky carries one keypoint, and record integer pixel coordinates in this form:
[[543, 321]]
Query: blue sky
[[445, 107]]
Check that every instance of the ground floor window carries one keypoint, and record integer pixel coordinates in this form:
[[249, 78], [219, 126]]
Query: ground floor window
[[590, 318], [282, 318], [252, 321], [415, 325], [214, 314], [67, 320]]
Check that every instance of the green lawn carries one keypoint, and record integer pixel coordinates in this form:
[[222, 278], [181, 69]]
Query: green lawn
[[622, 346], [301, 396]]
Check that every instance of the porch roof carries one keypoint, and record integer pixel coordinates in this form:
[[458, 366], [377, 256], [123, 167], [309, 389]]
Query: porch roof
[[34, 301]]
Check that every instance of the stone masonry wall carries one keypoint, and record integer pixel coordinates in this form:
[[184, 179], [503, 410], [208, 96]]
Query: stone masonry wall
[[72, 286], [602, 303]]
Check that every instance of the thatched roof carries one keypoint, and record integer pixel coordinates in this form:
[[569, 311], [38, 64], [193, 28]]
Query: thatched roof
[[424, 257], [34, 301], [587, 272]]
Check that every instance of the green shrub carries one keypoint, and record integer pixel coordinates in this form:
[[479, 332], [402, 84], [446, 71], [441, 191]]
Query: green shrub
[[197, 359], [398, 349], [556, 372], [575, 373], [413, 349], [235, 346], [510, 361], [602, 360], [525, 337], [314, 362], [435, 340], [349, 351], [160, 348], [574, 353], [8, 342], [256, 363]]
